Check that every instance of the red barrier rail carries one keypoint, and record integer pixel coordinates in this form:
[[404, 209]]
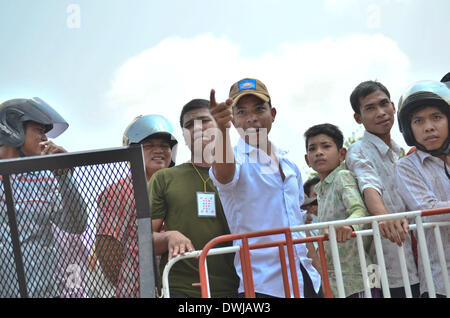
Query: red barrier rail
[[247, 275]]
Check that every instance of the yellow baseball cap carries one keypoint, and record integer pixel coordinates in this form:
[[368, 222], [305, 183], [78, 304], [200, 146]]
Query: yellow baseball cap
[[249, 86]]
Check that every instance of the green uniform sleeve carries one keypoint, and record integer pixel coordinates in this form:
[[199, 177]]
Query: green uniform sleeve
[[156, 190]]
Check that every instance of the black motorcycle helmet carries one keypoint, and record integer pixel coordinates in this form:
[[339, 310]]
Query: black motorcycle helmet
[[15, 112]]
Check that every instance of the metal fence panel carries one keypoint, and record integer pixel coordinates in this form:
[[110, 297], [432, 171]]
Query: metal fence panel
[[76, 225]]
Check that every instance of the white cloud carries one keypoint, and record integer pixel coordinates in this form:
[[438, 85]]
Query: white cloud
[[309, 82]]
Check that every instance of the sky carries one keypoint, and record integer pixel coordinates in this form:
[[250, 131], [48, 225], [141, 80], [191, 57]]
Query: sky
[[101, 63]]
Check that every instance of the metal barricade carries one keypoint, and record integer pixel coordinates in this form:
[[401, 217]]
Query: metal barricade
[[244, 251], [51, 210]]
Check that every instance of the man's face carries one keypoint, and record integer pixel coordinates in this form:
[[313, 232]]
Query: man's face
[[323, 155], [197, 127], [254, 117], [34, 136], [377, 113], [157, 154], [430, 127]]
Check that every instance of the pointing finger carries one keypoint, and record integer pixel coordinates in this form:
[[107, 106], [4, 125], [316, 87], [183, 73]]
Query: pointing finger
[[212, 98]]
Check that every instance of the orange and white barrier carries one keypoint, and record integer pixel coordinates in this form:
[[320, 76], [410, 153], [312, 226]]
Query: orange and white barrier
[[287, 245]]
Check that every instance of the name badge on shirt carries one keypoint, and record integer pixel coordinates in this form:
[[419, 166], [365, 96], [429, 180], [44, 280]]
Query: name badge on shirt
[[206, 204]]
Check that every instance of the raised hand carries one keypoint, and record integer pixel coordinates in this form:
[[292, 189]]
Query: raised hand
[[49, 148], [222, 112]]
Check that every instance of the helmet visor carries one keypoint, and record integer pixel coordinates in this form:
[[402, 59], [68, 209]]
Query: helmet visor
[[45, 114]]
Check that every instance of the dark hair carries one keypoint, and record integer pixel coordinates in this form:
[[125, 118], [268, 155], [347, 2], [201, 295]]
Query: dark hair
[[364, 89], [330, 130], [193, 104], [308, 184]]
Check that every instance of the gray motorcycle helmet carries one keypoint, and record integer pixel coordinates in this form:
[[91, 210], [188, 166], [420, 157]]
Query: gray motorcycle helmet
[[143, 127], [15, 112]]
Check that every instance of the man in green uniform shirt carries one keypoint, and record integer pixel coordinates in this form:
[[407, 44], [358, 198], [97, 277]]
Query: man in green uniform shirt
[[186, 201]]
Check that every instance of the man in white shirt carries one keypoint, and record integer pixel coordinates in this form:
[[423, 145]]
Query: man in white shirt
[[373, 160], [423, 177], [260, 188]]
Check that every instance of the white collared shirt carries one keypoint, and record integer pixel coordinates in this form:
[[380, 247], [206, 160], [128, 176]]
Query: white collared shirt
[[258, 199], [373, 163], [423, 184]]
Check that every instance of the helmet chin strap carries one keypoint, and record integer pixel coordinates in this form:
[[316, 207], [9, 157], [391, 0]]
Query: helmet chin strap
[[444, 150], [446, 171], [21, 154], [447, 153]]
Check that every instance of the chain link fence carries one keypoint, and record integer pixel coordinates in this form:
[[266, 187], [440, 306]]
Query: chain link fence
[[76, 225]]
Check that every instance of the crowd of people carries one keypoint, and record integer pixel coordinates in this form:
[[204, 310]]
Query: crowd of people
[[252, 186]]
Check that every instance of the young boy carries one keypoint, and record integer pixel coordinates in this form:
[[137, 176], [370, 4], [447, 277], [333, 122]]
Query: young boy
[[338, 198], [260, 187], [372, 159], [423, 177]]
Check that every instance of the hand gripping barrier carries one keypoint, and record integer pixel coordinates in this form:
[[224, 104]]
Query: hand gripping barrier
[[245, 247]]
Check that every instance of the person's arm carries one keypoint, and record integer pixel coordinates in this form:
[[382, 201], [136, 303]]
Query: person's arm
[[394, 230], [224, 166], [353, 204], [371, 188], [72, 214], [312, 254], [71, 211], [171, 242], [110, 228], [110, 256]]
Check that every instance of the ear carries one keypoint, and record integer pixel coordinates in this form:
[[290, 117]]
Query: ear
[[342, 154], [307, 160], [274, 113], [393, 106], [357, 118], [186, 136]]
